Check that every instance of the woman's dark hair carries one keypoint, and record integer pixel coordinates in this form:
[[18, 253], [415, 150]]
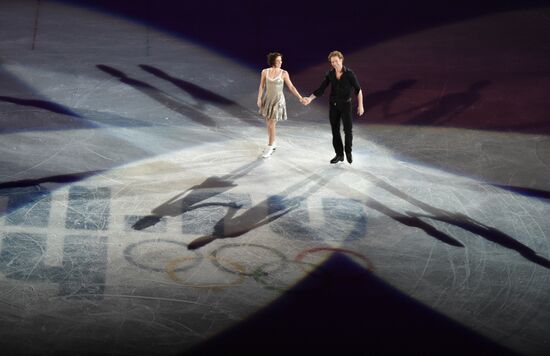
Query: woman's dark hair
[[272, 57]]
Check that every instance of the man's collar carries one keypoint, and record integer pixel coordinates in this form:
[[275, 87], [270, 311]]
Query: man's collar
[[344, 69]]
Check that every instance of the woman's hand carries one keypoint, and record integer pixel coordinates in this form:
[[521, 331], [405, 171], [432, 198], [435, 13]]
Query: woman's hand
[[259, 103]]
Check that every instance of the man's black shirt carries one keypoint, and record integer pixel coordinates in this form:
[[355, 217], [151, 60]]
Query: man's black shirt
[[340, 89]]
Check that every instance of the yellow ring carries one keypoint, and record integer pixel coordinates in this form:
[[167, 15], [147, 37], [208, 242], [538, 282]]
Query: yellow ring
[[171, 267]]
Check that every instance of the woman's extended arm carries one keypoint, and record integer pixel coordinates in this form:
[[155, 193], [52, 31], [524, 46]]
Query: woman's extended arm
[[261, 89]]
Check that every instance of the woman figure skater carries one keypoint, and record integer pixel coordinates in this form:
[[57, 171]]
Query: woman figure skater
[[271, 100]]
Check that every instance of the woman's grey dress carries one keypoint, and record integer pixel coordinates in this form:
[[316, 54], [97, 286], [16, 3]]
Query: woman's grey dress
[[273, 100]]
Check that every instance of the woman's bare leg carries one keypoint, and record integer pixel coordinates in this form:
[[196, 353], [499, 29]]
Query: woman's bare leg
[[271, 131], [270, 138]]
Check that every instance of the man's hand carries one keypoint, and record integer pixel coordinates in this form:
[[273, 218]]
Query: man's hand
[[360, 110]]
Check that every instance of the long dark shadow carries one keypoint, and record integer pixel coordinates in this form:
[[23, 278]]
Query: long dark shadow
[[230, 226], [160, 96], [489, 233], [445, 108], [61, 179], [50, 116], [30, 191], [460, 220], [89, 118], [404, 219], [464, 222], [413, 221], [206, 96], [41, 104], [189, 199], [387, 97], [530, 192], [196, 91]]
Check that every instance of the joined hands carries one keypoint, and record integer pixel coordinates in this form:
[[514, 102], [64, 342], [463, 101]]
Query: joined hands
[[306, 101]]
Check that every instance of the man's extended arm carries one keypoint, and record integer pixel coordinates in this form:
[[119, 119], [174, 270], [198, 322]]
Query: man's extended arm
[[319, 92], [360, 109], [358, 92]]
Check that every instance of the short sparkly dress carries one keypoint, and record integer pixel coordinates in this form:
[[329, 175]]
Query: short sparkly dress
[[273, 100]]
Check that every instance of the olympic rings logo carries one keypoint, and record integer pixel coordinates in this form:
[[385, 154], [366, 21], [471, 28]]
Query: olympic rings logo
[[272, 268]]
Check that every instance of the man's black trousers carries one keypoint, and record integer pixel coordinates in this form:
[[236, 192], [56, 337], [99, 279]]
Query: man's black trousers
[[341, 112]]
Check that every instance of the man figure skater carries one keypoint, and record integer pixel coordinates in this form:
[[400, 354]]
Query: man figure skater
[[342, 81]]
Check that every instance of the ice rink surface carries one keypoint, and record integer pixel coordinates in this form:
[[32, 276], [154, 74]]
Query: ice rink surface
[[122, 146]]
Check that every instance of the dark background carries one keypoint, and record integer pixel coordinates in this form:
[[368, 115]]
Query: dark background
[[304, 30]]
